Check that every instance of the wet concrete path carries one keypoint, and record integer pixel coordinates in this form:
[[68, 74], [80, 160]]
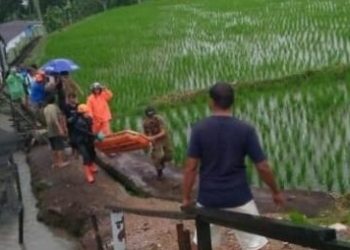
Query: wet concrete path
[[37, 236]]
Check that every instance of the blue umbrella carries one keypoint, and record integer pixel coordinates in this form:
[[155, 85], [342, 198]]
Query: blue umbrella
[[59, 65]]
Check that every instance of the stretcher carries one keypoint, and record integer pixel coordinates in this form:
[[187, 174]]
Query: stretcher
[[122, 142]]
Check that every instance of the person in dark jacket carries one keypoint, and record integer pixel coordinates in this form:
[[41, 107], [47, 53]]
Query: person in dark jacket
[[69, 109], [84, 139]]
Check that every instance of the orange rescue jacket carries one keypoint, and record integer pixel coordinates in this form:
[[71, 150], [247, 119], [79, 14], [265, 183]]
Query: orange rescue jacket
[[98, 105]]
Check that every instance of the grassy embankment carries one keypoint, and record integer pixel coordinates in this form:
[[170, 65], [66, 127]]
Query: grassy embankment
[[164, 52]]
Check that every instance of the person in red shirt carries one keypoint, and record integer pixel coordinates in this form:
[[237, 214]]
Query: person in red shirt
[[99, 109]]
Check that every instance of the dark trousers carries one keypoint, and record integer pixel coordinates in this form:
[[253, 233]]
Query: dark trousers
[[88, 153], [72, 140]]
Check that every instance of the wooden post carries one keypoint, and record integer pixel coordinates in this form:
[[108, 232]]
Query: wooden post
[[203, 234], [179, 231], [180, 235], [20, 225], [187, 240], [183, 237], [97, 233]]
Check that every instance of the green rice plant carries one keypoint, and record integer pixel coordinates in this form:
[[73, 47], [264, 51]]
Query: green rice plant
[[133, 123], [298, 218], [165, 50], [196, 51]]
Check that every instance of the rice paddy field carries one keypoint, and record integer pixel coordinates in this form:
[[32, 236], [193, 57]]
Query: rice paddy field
[[286, 58]]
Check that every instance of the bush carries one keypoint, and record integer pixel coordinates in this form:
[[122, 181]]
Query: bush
[[54, 18]]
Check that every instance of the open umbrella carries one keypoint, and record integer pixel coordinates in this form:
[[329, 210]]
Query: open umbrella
[[59, 65]]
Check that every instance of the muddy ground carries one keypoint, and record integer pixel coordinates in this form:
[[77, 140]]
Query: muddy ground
[[67, 201], [136, 172]]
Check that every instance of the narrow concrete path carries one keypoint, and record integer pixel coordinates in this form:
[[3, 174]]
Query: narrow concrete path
[[37, 236]]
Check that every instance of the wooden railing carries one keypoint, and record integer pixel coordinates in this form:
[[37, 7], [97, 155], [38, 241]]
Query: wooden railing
[[304, 235]]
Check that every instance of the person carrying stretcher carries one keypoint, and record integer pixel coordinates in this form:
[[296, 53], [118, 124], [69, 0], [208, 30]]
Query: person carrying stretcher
[[154, 128], [84, 139]]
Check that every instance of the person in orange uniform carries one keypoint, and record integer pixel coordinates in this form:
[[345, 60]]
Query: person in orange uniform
[[99, 109]]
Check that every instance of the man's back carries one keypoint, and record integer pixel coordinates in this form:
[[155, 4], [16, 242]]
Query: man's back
[[221, 143]]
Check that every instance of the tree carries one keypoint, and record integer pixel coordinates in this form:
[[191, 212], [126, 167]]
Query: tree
[[57, 13], [54, 18], [45, 4], [83, 8], [104, 4], [9, 9]]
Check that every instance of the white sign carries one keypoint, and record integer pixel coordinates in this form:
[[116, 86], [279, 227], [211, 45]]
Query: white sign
[[118, 230]]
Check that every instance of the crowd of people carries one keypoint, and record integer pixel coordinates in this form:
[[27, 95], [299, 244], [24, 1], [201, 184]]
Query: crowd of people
[[53, 99], [218, 145]]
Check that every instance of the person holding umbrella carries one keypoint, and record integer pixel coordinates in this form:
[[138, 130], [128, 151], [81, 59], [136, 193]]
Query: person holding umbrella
[[59, 65], [69, 86], [62, 84], [64, 87], [99, 109]]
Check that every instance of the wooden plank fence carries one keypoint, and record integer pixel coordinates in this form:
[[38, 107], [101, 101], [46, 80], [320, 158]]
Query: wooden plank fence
[[304, 235]]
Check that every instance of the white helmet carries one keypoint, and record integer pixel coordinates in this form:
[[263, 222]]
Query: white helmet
[[96, 85]]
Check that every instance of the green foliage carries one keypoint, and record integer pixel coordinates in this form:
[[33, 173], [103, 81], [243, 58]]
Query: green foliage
[[54, 18], [44, 5], [9, 9], [298, 218], [58, 13], [73, 10]]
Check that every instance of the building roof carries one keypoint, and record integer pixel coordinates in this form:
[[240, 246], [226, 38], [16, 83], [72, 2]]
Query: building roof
[[12, 29]]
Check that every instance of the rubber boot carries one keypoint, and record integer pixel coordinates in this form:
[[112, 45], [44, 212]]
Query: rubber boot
[[93, 168], [88, 175]]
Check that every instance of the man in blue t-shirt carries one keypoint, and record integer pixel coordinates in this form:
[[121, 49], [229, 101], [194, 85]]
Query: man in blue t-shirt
[[219, 145], [37, 91]]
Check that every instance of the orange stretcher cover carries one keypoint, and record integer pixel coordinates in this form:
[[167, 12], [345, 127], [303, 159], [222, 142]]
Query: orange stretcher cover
[[123, 141]]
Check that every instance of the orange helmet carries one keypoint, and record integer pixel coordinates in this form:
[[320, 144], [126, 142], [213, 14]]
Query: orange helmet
[[83, 108]]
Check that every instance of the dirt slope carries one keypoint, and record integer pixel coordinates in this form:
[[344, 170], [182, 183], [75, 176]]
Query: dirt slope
[[67, 201]]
